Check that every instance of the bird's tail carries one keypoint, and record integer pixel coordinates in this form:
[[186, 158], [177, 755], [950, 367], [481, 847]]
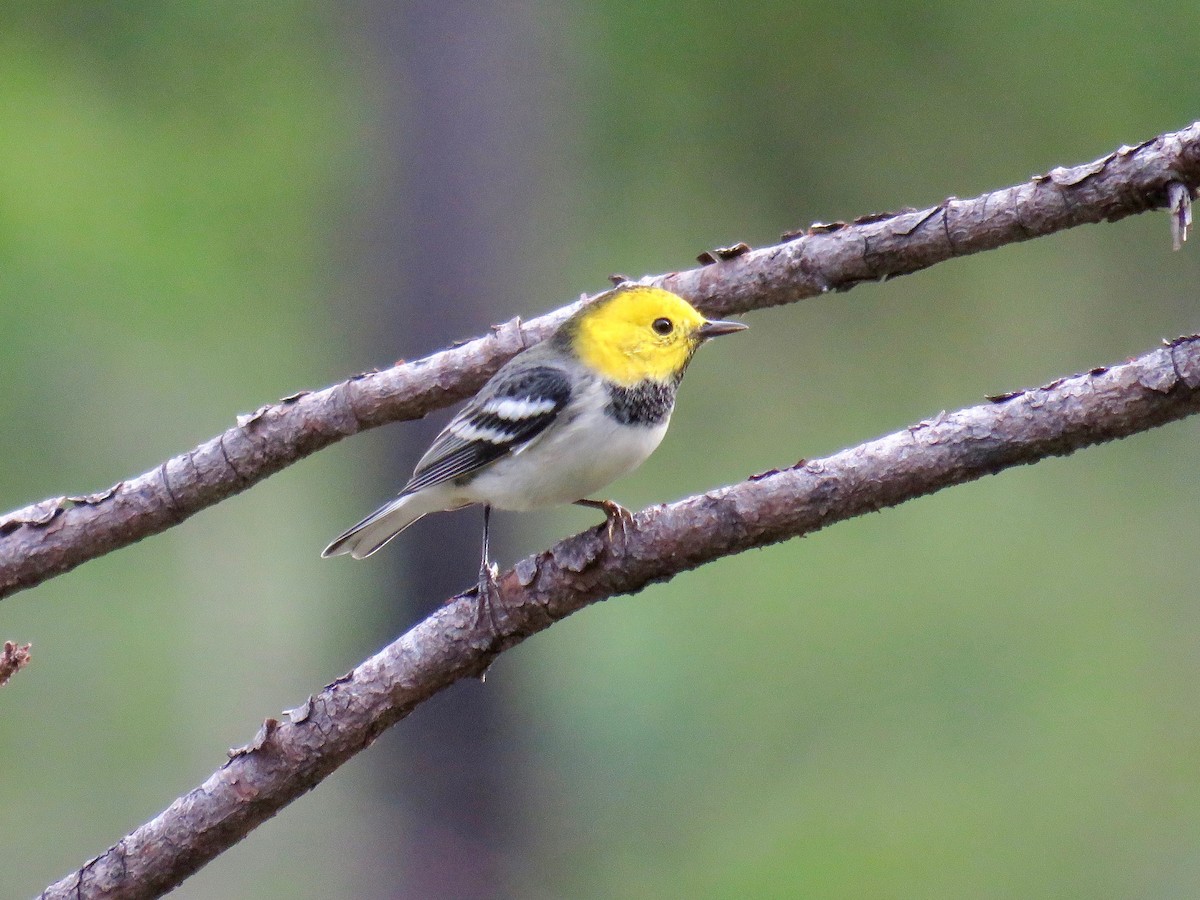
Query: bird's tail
[[363, 539]]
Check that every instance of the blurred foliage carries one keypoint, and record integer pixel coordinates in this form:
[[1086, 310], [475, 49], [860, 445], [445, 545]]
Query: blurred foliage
[[983, 693]]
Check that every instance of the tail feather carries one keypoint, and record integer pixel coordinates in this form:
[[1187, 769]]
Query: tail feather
[[363, 539]]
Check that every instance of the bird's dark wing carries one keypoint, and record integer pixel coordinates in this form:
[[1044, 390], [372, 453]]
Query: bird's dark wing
[[508, 412]]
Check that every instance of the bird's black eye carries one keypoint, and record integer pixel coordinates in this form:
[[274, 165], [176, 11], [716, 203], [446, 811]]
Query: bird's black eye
[[662, 326]]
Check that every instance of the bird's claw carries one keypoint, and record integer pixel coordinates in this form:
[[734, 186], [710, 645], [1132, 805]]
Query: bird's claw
[[486, 592], [618, 520]]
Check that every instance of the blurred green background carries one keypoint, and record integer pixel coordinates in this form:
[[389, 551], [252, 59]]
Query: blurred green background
[[206, 206]]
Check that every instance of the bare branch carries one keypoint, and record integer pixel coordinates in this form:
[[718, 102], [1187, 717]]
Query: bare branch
[[872, 248], [58, 534], [13, 658], [288, 758]]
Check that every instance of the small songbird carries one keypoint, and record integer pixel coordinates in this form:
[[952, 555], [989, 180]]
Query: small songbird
[[557, 421]]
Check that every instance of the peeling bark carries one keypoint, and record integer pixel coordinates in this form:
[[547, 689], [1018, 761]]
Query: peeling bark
[[13, 658]]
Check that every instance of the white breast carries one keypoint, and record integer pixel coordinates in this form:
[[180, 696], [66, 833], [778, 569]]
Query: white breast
[[569, 461]]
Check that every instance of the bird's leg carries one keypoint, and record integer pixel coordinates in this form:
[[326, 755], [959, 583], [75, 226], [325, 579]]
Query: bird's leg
[[617, 518], [487, 587]]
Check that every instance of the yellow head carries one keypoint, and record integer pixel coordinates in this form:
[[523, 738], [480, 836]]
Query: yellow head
[[637, 332]]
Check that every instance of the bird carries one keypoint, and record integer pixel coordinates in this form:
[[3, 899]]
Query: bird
[[557, 422]]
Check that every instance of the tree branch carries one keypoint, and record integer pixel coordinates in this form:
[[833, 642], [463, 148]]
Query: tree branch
[[58, 534], [288, 758]]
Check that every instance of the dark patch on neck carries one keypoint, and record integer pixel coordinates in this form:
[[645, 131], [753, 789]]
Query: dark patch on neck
[[646, 403]]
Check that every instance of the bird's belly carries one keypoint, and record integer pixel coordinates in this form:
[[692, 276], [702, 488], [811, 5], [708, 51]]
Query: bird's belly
[[569, 464]]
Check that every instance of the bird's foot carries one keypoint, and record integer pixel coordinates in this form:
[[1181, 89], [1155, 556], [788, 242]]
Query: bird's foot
[[487, 592], [618, 520]]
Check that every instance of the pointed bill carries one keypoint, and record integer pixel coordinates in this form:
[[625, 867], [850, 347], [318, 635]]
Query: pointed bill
[[716, 327]]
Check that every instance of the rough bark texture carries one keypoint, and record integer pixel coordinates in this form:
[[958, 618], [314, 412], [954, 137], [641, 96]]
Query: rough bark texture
[[58, 534], [13, 658], [289, 758]]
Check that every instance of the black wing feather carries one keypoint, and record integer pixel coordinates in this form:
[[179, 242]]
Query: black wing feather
[[452, 455]]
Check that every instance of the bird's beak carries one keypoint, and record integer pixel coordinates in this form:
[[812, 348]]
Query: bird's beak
[[713, 329]]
